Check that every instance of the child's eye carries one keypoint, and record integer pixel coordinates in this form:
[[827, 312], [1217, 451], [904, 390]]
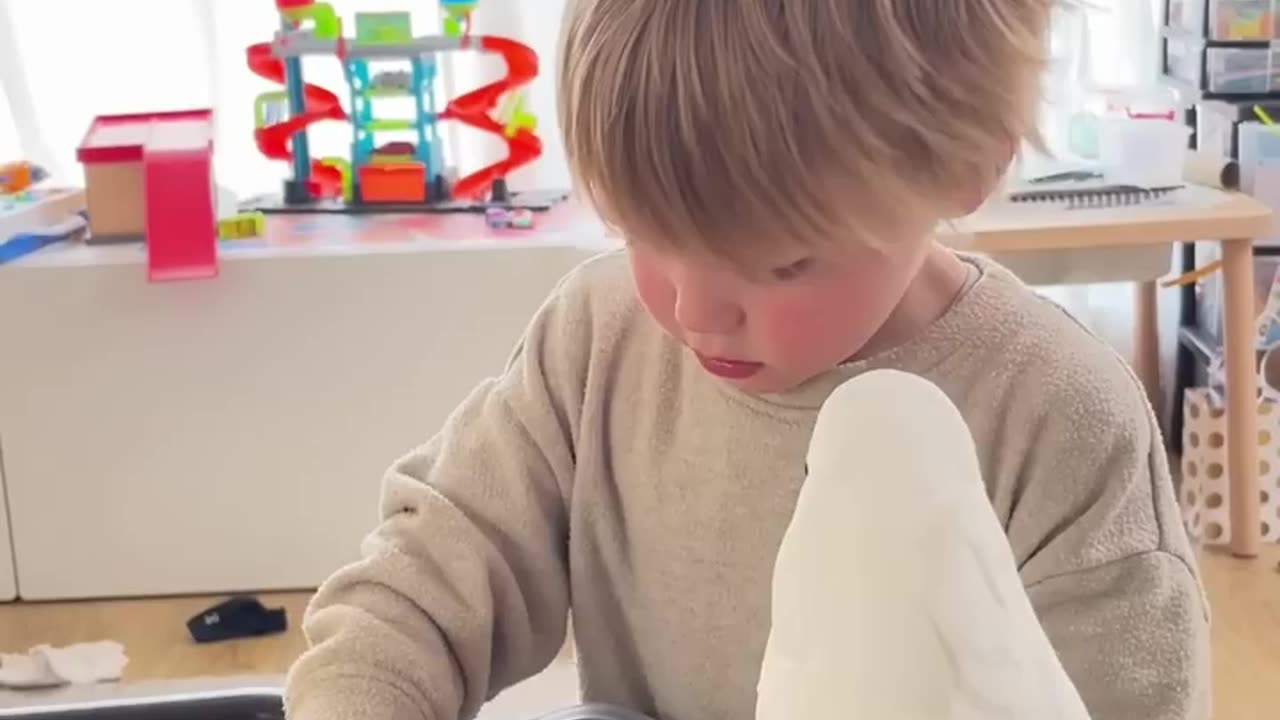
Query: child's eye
[[793, 271]]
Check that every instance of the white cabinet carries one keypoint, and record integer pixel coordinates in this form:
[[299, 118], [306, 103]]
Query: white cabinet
[[230, 434], [8, 581]]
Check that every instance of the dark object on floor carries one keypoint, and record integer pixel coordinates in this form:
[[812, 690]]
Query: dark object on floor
[[239, 617]]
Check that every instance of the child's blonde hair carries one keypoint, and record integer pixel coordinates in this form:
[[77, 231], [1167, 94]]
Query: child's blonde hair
[[725, 125]]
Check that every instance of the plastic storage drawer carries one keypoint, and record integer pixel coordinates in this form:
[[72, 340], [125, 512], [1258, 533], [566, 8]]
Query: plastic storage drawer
[[1218, 123], [1226, 20], [1223, 70]]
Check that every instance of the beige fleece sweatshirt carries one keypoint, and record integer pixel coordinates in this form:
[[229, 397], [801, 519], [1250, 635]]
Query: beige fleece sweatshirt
[[606, 471]]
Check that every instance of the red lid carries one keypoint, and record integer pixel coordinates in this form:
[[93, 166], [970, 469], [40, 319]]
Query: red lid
[[121, 138]]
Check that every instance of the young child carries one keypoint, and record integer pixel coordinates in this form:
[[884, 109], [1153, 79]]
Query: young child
[[777, 168]]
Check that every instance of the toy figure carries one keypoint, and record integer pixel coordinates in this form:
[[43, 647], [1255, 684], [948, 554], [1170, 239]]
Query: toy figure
[[457, 22], [15, 177]]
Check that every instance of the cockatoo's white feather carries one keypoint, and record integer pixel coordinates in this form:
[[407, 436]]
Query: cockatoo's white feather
[[895, 594]]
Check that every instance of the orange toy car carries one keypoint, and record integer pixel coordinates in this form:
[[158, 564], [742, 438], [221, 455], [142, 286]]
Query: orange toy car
[[18, 176]]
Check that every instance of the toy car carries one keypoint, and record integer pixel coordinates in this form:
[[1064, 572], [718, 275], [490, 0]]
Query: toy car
[[16, 177], [522, 218], [391, 80], [241, 226], [500, 218], [497, 218]]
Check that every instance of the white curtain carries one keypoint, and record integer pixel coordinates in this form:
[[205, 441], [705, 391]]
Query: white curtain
[[64, 61]]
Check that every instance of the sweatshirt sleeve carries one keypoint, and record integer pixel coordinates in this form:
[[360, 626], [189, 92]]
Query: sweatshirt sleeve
[[1106, 560], [462, 590], [1133, 637]]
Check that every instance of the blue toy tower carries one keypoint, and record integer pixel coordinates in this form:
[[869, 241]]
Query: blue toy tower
[[296, 190], [382, 65]]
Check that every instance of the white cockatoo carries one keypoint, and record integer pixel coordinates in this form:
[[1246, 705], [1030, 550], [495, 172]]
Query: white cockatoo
[[895, 594]]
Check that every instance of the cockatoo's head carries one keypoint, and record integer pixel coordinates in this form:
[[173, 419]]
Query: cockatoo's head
[[873, 456], [896, 595], [855, 560]]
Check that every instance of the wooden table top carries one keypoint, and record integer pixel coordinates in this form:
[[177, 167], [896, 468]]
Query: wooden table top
[[1205, 214]]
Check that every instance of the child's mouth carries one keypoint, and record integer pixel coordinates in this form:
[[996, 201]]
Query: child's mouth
[[729, 369]]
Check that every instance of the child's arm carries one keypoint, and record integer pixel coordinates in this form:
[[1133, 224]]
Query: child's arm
[[462, 590], [1107, 562]]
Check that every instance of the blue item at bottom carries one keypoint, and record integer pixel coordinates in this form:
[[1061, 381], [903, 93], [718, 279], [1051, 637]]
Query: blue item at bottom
[[26, 243]]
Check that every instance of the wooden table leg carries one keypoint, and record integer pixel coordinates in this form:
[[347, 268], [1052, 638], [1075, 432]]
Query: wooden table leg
[[1146, 343], [1242, 383]]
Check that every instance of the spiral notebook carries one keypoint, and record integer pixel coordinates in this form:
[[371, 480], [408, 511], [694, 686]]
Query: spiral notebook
[[1094, 196]]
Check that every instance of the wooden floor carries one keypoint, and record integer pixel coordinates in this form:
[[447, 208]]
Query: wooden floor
[[1245, 597], [154, 635]]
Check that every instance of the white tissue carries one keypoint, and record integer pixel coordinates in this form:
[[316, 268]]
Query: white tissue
[[46, 666]]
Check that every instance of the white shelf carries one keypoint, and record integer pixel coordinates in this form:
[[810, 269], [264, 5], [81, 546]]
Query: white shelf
[[246, 420]]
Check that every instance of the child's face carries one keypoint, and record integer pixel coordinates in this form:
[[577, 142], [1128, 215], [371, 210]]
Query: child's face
[[776, 326]]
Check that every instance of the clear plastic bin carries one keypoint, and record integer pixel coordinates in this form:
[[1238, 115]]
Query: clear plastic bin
[[1260, 171], [1227, 20], [1184, 59], [1218, 122], [1149, 153], [1259, 147], [1223, 70], [1215, 130]]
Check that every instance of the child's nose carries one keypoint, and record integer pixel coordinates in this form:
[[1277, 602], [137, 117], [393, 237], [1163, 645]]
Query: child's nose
[[705, 312]]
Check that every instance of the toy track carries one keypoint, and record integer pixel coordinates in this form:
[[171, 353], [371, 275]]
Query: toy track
[[475, 108], [273, 140]]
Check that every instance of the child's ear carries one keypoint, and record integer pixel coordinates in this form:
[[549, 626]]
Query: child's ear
[[966, 200], [971, 197]]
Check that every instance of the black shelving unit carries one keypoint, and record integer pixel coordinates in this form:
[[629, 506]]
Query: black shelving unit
[[1215, 111], [1196, 348]]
